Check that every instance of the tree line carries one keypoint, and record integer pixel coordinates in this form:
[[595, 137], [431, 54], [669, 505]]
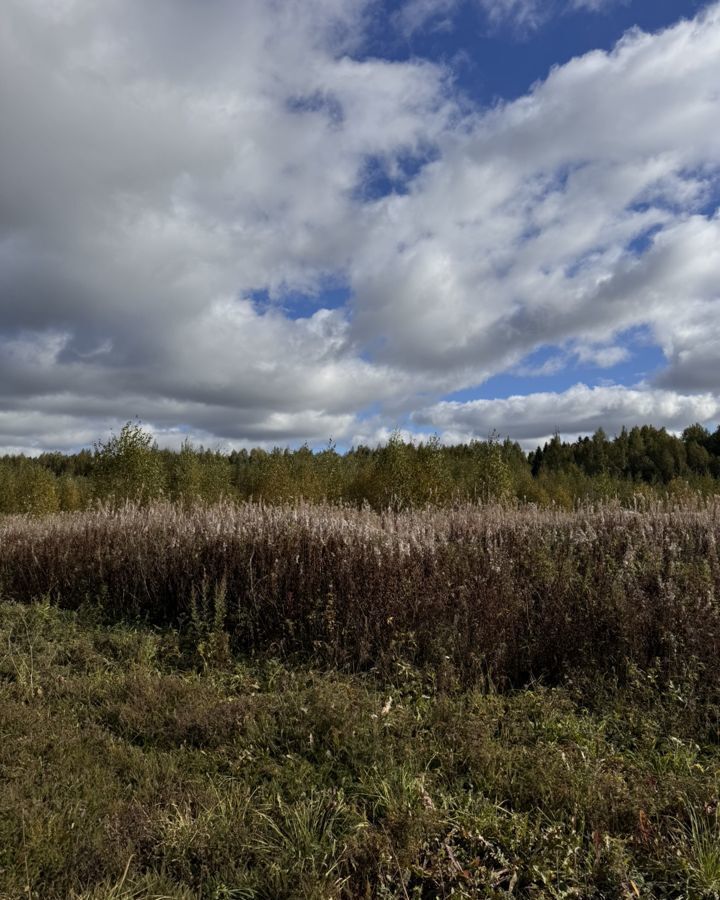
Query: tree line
[[641, 462]]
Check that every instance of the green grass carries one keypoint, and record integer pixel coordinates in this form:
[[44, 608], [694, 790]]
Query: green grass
[[132, 766]]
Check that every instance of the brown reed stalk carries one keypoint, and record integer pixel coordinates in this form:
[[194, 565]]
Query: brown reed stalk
[[489, 591]]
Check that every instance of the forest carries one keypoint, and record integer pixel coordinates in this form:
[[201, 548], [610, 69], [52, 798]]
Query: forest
[[638, 464]]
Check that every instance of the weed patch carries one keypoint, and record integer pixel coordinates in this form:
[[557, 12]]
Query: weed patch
[[130, 772]]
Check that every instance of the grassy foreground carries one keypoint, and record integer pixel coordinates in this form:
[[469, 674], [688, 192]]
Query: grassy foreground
[[131, 767]]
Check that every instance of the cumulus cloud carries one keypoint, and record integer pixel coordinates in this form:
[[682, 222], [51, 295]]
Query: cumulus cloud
[[570, 214], [162, 161], [161, 164], [578, 410]]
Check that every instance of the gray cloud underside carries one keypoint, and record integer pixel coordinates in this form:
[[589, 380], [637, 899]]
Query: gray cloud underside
[[160, 163]]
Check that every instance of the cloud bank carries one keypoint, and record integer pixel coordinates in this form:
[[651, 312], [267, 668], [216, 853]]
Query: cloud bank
[[181, 185]]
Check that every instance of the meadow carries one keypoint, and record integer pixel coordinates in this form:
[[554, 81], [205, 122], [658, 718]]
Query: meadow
[[299, 700], [413, 672]]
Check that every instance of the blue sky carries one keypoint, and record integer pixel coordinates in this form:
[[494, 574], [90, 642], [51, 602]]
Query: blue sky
[[275, 223], [501, 61]]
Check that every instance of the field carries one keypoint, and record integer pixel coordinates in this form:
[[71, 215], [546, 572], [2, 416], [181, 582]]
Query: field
[[317, 701]]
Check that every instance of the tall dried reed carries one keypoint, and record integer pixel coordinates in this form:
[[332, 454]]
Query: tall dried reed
[[478, 592]]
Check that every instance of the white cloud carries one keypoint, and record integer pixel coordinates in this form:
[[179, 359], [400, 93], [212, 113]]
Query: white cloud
[[523, 15], [416, 14], [580, 409], [161, 162], [530, 14], [522, 232], [603, 357], [595, 5]]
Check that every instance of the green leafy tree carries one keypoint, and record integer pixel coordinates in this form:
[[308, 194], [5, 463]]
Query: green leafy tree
[[492, 476], [392, 482], [27, 487], [128, 467], [38, 489], [199, 475], [432, 482]]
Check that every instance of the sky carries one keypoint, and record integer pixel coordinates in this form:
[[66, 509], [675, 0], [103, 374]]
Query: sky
[[270, 222]]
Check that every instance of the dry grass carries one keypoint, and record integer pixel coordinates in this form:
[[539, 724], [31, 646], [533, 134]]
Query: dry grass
[[494, 594], [247, 701]]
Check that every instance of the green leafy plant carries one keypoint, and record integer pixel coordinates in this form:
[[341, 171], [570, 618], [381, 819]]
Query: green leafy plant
[[127, 467]]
